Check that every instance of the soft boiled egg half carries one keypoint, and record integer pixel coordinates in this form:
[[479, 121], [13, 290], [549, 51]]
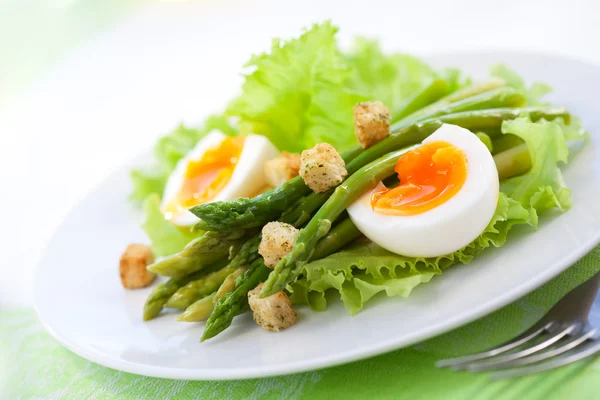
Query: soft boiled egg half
[[446, 197], [218, 168]]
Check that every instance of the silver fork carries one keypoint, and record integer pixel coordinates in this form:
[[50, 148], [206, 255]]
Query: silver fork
[[569, 332]]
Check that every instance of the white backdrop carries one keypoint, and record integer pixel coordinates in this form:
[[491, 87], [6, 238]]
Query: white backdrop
[[178, 61]]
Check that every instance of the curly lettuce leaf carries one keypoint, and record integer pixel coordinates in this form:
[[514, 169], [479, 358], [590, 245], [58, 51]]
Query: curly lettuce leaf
[[296, 94], [165, 237], [575, 135], [356, 291], [390, 79], [302, 91], [394, 78], [533, 94], [366, 269], [329, 116], [542, 187], [168, 150]]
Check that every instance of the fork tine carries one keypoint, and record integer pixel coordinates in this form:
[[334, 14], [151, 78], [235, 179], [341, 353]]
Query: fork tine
[[586, 351], [486, 365], [459, 361], [550, 353]]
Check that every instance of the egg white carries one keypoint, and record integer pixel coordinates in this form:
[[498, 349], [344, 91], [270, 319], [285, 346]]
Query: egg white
[[449, 226], [247, 178]]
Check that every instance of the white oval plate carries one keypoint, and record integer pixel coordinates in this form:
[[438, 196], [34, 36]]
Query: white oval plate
[[80, 300]]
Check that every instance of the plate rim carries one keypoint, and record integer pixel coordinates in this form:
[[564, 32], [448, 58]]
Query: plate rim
[[350, 355]]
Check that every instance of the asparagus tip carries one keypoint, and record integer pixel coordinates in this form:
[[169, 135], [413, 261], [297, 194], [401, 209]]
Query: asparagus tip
[[148, 317], [151, 268]]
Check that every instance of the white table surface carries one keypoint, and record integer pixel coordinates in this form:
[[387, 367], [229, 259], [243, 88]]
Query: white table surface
[[110, 98]]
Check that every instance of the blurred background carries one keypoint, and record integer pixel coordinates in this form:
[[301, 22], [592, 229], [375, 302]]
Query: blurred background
[[86, 85]]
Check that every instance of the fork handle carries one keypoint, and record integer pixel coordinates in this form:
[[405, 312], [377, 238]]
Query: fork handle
[[576, 305]]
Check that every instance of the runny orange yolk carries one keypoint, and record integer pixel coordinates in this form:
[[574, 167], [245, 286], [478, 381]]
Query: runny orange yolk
[[206, 177], [429, 176]]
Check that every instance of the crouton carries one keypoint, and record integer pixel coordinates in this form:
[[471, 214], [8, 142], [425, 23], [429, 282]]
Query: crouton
[[371, 122], [322, 167], [277, 240], [283, 168], [273, 313], [132, 266]]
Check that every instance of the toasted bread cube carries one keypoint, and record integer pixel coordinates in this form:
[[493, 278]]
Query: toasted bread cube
[[273, 313], [371, 122], [322, 167], [132, 266], [283, 168], [277, 240]]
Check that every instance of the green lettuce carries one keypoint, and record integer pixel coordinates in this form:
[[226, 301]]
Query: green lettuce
[[165, 237], [364, 269], [542, 187], [296, 95], [394, 78], [575, 136], [355, 290], [303, 90], [357, 271], [391, 79]]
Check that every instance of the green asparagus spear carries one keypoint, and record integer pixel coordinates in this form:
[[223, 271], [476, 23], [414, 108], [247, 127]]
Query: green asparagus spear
[[248, 252], [245, 212], [341, 234], [199, 311], [513, 162], [161, 293], [459, 95], [195, 290], [505, 142], [236, 302], [303, 210], [497, 98], [437, 89], [199, 253], [230, 283], [484, 120]]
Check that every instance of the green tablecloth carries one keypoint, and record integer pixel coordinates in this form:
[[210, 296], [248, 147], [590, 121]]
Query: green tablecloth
[[33, 365]]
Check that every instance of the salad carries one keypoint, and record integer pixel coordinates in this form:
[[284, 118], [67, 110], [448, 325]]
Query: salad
[[342, 174]]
